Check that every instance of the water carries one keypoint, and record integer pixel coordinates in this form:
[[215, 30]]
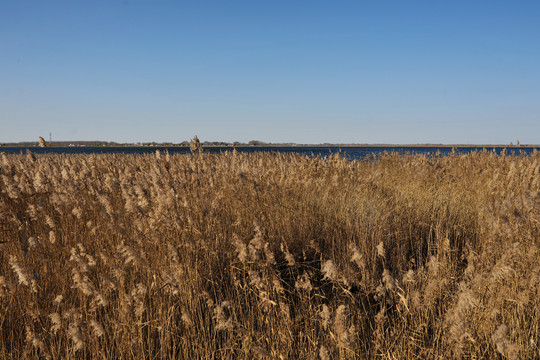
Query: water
[[359, 152]]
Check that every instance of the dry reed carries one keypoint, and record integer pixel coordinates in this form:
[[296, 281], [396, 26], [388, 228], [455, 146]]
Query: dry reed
[[241, 256]]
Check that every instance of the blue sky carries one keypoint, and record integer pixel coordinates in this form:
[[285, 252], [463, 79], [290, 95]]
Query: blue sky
[[278, 71]]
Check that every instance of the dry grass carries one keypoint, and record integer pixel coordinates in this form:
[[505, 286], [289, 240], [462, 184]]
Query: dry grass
[[242, 256]]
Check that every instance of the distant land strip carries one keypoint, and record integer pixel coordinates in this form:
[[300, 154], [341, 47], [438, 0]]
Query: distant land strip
[[253, 143]]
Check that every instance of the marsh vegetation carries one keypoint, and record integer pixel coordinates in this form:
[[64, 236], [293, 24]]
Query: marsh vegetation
[[239, 256]]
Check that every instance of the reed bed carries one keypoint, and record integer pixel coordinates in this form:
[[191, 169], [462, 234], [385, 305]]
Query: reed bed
[[279, 256]]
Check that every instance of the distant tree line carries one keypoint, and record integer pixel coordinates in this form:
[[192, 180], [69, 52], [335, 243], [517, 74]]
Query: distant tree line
[[186, 143], [116, 144]]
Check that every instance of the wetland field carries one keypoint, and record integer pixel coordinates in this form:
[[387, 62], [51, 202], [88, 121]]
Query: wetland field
[[269, 255]]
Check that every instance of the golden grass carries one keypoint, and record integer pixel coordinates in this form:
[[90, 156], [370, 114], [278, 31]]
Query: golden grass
[[242, 256]]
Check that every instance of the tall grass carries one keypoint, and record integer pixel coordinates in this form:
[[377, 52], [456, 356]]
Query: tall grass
[[242, 256]]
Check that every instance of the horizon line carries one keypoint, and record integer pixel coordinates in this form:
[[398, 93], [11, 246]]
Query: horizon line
[[258, 143]]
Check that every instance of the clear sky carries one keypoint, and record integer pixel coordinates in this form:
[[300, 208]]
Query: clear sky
[[313, 71]]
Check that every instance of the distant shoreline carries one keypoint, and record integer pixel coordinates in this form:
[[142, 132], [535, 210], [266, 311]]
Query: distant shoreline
[[234, 145]]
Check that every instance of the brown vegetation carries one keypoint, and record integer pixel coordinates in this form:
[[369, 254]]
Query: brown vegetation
[[241, 256]]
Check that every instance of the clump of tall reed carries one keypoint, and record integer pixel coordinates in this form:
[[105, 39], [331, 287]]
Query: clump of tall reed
[[263, 255]]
